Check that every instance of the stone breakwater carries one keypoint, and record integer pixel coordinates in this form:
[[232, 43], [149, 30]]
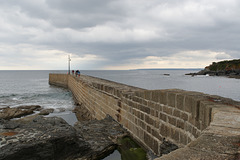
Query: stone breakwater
[[202, 126]]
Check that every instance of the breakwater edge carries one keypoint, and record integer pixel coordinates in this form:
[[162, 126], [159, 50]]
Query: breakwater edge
[[185, 118]]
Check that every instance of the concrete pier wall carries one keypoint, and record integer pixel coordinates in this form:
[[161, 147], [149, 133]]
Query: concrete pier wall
[[201, 125]]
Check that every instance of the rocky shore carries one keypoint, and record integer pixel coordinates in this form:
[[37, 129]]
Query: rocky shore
[[25, 134], [230, 74], [37, 137], [229, 69]]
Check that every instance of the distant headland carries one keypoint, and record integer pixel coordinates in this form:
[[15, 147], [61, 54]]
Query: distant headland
[[229, 68]]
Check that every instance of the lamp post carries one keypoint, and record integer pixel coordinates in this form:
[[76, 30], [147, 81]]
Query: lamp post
[[69, 59]]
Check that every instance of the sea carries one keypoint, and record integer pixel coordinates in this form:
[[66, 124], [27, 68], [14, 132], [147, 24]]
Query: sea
[[31, 87], [19, 88]]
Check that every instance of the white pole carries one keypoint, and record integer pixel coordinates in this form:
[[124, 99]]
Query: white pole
[[69, 64]]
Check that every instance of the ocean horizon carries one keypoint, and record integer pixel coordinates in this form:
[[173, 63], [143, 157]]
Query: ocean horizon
[[25, 87]]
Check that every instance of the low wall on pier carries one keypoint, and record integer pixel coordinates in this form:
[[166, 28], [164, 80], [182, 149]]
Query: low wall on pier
[[203, 126]]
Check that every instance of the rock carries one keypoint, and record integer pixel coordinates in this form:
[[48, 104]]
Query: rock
[[52, 138], [40, 138], [82, 113], [17, 112], [167, 147], [31, 107], [46, 111], [101, 135], [61, 109]]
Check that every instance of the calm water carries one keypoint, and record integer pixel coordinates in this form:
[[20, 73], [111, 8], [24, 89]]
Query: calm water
[[31, 87], [155, 79]]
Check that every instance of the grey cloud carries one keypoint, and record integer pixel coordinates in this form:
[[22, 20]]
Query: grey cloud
[[120, 31]]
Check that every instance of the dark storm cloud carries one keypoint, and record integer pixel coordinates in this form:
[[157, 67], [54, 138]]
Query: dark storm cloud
[[108, 33]]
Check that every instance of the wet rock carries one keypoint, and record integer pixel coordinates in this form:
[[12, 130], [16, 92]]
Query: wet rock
[[17, 112], [31, 107], [61, 109], [8, 124], [52, 138], [101, 135], [41, 138], [82, 113], [46, 111]]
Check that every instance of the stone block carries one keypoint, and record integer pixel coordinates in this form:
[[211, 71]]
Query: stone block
[[188, 127], [155, 146], [227, 118], [142, 124], [175, 134], [163, 117], [156, 123], [172, 120], [146, 110], [137, 99], [156, 96], [188, 104], [163, 130], [192, 120], [176, 113], [148, 120], [194, 132], [180, 124], [125, 107], [142, 116], [151, 104], [183, 138], [135, 130], [167, 110], [148, 139], [207, 116], [136, 121], [140, 94], [216, 144], [184, 116], [198, 124], [138, 114], [171, 99], [130, 103], [149, 129], [155, 133], [196, 109], [180, 98], [148, 95], [145, 102], [141, 134], [205, 112], [158, 107], [163, 97], [152, 112]]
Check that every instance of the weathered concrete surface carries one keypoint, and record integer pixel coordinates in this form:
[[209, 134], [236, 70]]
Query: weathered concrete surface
[[221, 140]]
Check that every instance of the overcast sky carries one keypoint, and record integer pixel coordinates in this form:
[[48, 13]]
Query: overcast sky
[[117, 34]]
